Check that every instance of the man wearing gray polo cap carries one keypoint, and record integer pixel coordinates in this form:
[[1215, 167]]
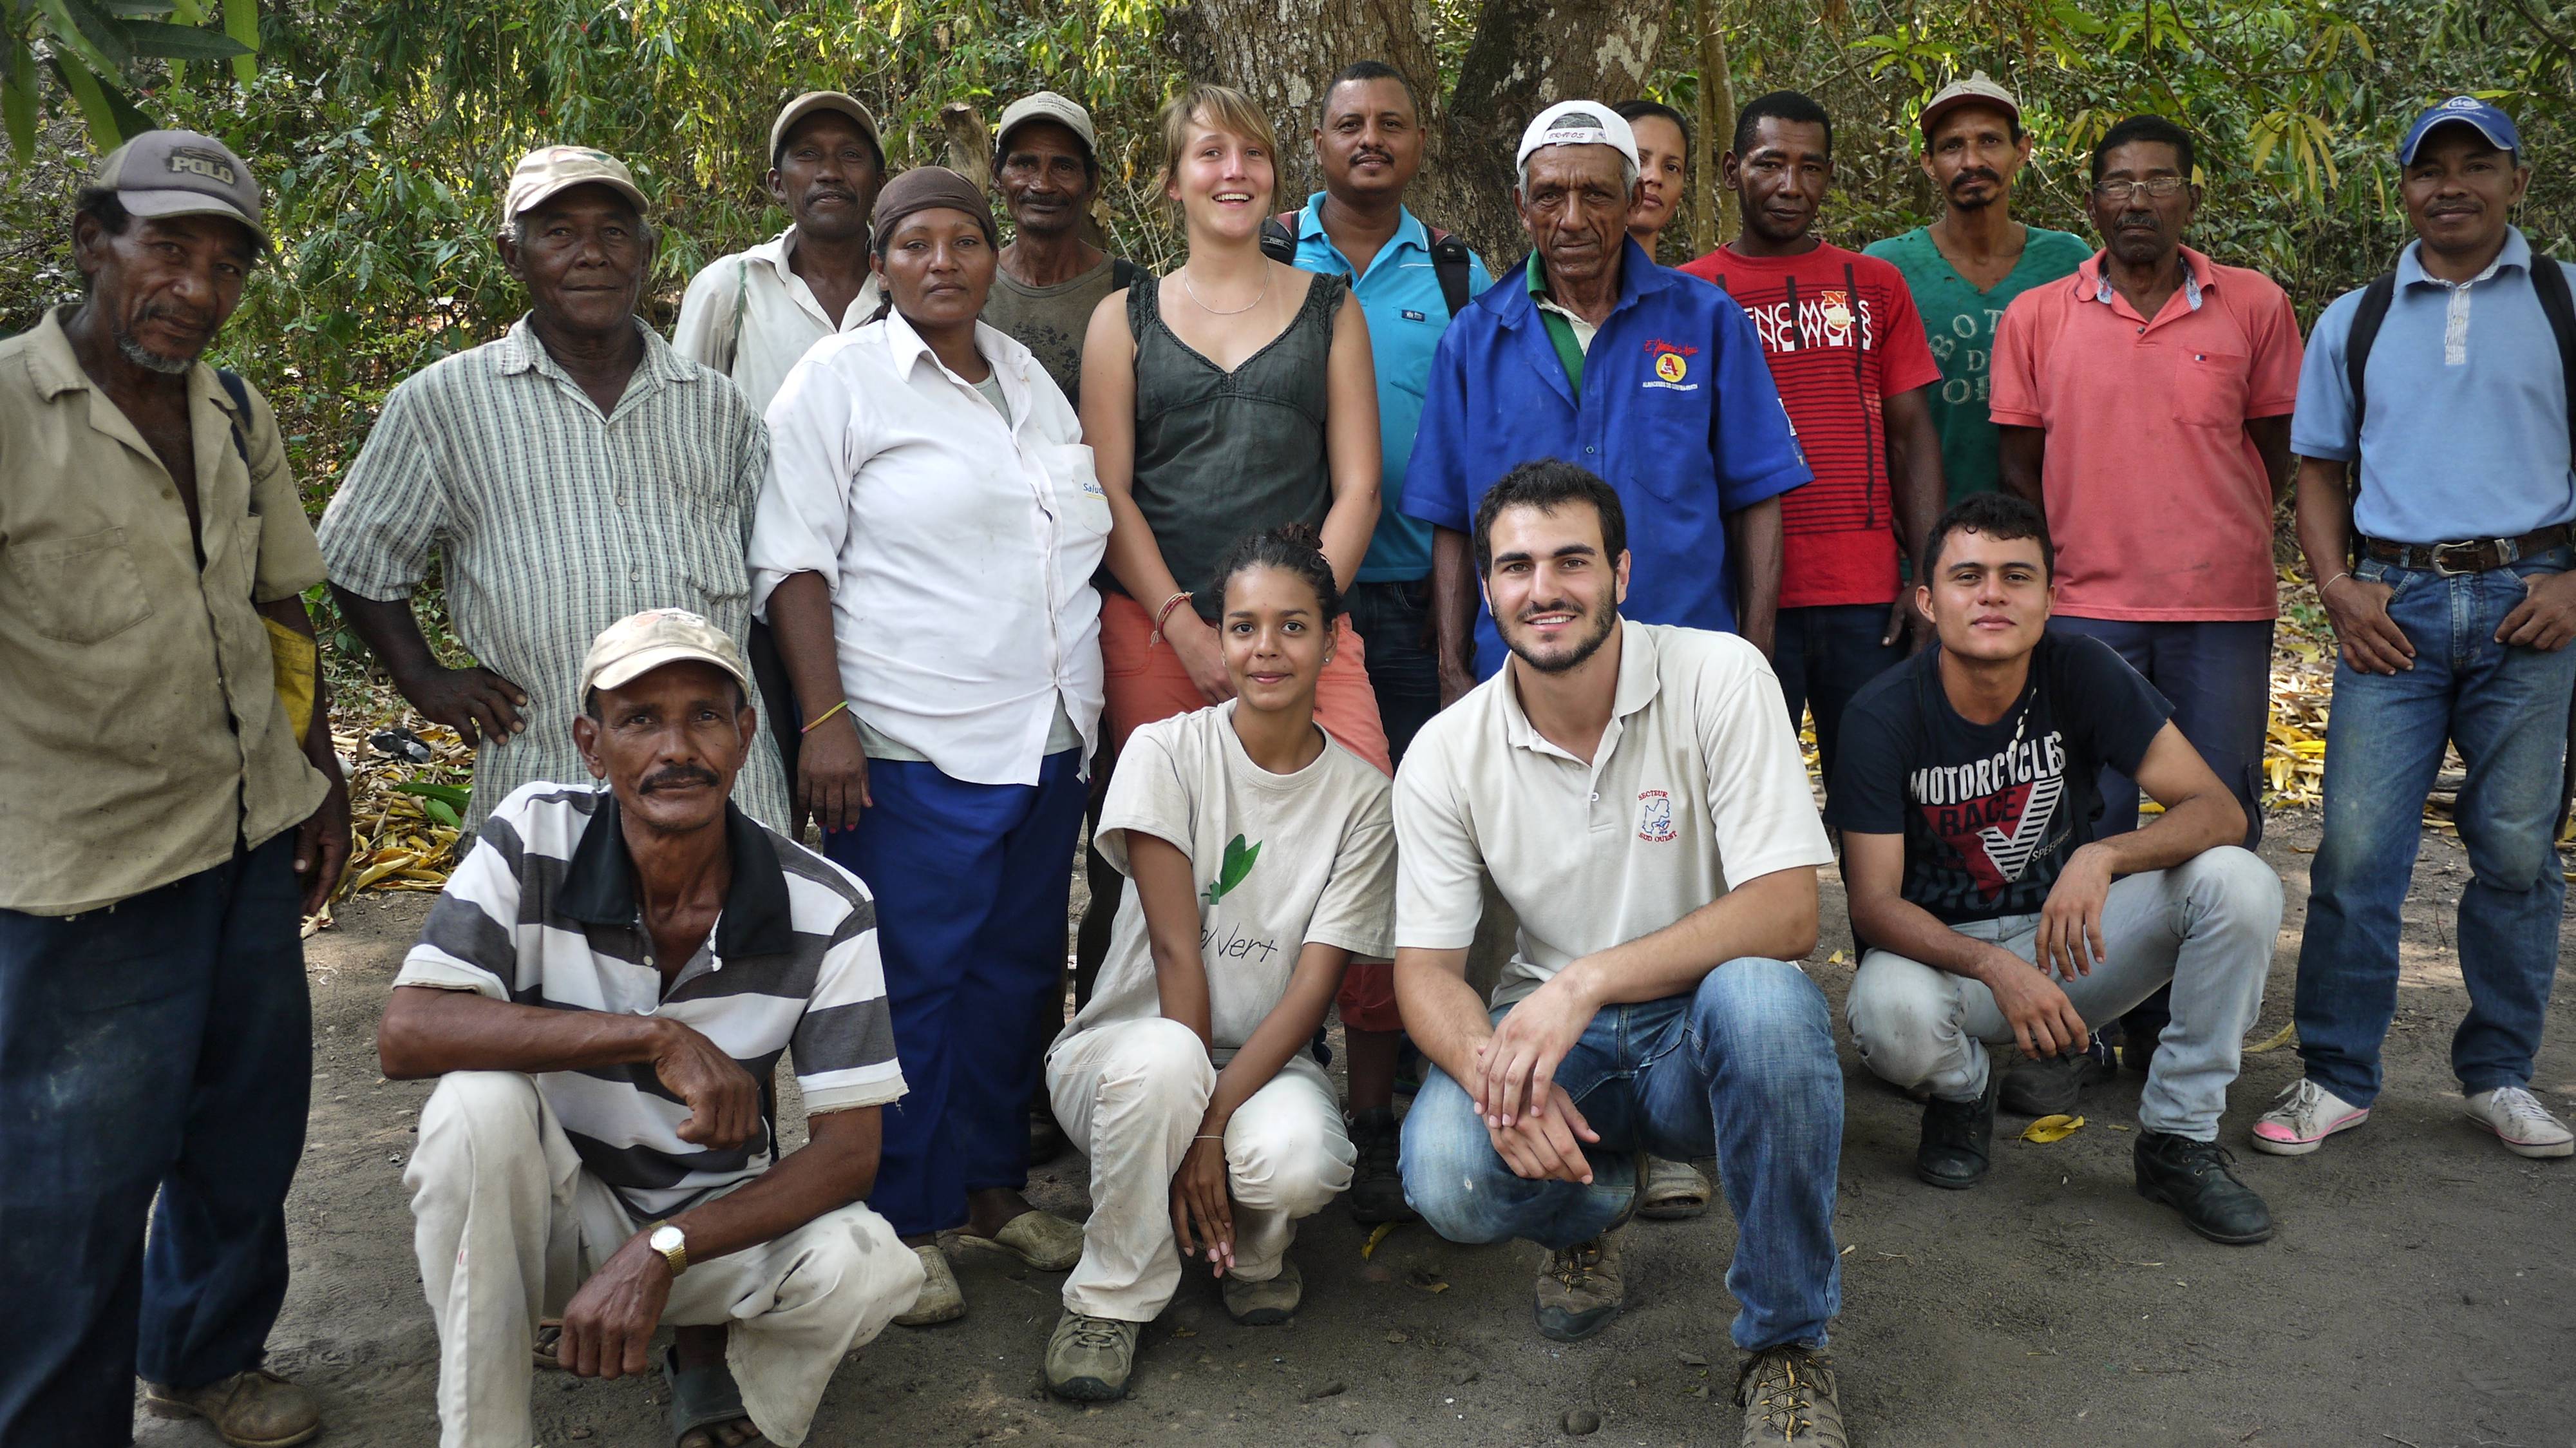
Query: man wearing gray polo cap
[[169, 806], [569, 474], [1046, 162]]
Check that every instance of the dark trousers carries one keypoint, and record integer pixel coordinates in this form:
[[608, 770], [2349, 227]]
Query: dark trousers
[[1823, 655], [1393, 621], [972, 884], [164, 1045]]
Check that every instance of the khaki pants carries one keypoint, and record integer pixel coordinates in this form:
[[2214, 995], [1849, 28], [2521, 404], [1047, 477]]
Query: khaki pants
[[1131, 1094], [507, 1225]]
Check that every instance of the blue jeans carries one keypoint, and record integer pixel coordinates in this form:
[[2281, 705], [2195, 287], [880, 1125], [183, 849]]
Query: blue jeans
[[164, 1045], [2218, 677], [2507, 710], [1744, 1063], [972, 885], [1403, 670], [1823, 655]]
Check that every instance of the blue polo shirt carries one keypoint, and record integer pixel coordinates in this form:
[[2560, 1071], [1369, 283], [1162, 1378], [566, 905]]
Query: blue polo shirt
[[1406, 315], [2467, 432], [1678, 414]]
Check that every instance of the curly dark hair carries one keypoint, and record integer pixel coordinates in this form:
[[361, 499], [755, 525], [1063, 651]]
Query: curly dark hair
[[1292, 548]]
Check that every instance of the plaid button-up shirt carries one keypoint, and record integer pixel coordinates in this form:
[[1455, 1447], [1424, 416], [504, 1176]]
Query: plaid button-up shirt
[[554, 522]]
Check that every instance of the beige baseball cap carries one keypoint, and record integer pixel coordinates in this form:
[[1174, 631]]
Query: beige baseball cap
[[812, 101], [1976, 90], [1046, 106], [640, 643], [182, 173], [551, 169]]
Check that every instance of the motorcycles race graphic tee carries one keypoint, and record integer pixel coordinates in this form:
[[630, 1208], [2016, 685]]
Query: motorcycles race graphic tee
[[1991, 811]]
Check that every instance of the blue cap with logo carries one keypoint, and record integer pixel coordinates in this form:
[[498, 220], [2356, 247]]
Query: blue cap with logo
[[2491, 123]]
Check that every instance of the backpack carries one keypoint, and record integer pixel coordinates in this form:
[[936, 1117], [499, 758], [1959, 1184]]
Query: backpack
[[1450, 258], [2548, 279]]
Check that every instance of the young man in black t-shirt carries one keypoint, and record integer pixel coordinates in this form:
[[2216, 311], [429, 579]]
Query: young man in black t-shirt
[[1964, 791]]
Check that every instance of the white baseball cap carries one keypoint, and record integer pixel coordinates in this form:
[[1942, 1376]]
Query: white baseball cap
[[1579, 123]]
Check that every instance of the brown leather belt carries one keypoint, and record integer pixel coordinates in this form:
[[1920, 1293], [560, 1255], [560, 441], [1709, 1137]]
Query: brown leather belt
[[2473, 555]]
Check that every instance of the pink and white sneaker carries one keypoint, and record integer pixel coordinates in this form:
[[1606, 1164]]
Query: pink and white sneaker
[[2302, 1117], [2519, 1121]]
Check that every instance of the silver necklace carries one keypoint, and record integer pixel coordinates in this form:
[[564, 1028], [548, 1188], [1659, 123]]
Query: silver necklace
[[1257, 299]]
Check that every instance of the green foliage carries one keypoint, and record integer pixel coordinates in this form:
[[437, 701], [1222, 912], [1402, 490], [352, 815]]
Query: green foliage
[[93, 47]]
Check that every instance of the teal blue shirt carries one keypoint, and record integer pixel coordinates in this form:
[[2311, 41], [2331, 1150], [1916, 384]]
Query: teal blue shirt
[[1400, 298]]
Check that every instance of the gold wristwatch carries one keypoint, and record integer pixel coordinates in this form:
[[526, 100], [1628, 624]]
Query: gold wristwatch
[[673, 1244]]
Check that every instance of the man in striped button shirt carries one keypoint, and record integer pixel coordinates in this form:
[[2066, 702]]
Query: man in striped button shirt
[[573, 472], [604, 988]]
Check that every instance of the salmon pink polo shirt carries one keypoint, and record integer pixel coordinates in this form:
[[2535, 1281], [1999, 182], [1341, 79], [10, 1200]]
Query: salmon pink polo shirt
[[2156, 496]]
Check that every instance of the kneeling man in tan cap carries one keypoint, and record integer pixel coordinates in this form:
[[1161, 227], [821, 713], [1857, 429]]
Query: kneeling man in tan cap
[[604, 988]]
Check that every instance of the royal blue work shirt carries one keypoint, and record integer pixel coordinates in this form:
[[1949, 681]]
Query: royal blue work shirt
[[1678, 415], [1407, 315], [2467, 432]]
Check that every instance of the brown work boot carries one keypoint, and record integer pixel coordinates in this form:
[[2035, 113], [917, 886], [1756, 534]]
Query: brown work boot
[[1789, 1397], [256, 1409], [1581, 1291]]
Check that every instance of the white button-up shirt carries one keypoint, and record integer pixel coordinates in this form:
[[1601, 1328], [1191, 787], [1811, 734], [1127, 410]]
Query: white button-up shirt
[[958, 548], [751, 317]]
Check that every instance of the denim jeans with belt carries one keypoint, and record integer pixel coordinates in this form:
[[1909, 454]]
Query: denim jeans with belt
[[1744, 1064], [2507, 710], [155, 1060]]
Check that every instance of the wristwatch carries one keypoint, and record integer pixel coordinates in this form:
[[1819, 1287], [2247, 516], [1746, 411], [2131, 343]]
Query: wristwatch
[[673, 1244]]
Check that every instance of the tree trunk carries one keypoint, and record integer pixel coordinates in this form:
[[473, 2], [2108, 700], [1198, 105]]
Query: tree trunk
[[1524, 56]]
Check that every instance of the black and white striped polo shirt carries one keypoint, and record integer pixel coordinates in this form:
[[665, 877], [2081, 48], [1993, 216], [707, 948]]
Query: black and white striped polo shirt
[[543, 913]]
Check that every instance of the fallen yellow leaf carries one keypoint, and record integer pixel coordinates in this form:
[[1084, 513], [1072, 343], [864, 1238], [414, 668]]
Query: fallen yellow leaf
[[2287, 1035], [2051, 1128], [1376, 1235]]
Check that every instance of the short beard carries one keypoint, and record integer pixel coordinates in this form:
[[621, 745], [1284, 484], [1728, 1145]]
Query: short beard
[[1975, 203], [144, 357], [1574, 658]]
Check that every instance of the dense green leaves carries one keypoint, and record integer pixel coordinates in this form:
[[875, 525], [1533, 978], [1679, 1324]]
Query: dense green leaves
[[94, 46]]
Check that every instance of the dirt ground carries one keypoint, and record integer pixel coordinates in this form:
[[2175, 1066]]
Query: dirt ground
[[2422, 1289]]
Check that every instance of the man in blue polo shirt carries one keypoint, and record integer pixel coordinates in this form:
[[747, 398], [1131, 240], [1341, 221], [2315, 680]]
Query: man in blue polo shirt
[[2446, 575], [1592, 353], [1368, 142]]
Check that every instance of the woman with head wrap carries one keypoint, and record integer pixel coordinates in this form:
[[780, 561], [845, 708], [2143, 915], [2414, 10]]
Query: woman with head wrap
[[924, 550]]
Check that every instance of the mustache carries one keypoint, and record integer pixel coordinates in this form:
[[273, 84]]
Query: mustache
[[678, 774], [188, 317], [1556, 605], [835, 193], [1976, 173]]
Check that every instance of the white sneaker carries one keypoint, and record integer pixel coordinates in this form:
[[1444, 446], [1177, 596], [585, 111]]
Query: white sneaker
[[2302, 1117], [2519, 1121]]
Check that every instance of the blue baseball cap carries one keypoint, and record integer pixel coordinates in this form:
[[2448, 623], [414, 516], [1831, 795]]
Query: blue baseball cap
[[2491, 123]]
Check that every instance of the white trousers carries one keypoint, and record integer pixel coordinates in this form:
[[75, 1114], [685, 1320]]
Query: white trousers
[[507, 1226], [1131, 1095]]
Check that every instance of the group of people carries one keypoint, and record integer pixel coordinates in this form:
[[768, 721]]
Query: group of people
[[1419, 645]]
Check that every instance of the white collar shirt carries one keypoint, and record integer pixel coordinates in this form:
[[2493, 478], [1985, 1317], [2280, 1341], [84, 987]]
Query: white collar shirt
[[958, 548], [751, 317]]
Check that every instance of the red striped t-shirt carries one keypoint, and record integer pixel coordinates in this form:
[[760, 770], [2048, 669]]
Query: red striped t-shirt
[[1841, 334]]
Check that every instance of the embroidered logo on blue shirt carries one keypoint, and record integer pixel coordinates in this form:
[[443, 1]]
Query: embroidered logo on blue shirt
[[1411, 315]]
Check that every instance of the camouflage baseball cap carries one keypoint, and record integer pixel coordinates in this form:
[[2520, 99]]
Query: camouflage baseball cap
[[182, 173]]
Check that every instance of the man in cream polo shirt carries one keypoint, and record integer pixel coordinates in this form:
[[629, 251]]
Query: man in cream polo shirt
[[1636, 795]]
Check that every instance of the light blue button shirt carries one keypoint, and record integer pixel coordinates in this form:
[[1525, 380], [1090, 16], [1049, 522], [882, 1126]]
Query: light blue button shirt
[[1400, 298], [2467, 431]]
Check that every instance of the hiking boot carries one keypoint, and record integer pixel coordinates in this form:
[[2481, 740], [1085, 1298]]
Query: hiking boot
[[1377, 1185], [1264, 1304], [2198, 1179], [2519, 1121], [1674, 1191], [2054, 1085], [1581, 1291], [254, 1409], [1788, 1396], [1956, 1138], [2302, 1117], [1088, 1359]]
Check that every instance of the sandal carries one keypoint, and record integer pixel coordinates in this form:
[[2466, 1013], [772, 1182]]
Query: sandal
[[1675, 1191], [704, 1397], [1041, 1239]]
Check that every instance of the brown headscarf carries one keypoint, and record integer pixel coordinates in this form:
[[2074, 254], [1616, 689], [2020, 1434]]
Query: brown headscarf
[[925, 188]]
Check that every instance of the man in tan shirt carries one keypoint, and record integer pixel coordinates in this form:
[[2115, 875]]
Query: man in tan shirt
[[163, 825]]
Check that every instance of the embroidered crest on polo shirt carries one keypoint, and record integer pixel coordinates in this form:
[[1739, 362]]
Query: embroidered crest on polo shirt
[[1672, 366], [1655, 817]]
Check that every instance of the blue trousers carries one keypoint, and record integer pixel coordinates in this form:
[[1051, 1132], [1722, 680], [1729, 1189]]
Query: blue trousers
[[2506, 709], [972, 884], [1745, 1062], [1823, 655], [2218, 677], [1403, 670], [164, 1045]]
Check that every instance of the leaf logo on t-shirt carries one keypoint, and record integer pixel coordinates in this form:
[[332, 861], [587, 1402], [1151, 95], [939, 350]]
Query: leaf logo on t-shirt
[[1238, 863]]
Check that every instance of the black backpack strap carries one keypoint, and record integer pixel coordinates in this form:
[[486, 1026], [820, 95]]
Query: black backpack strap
[[239, 392], [1452, 263], [2549, 279], [1279, 238], [2365, 330], [1122, 273]]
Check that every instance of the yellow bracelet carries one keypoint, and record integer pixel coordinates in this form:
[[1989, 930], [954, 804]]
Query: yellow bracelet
[[826, 714]]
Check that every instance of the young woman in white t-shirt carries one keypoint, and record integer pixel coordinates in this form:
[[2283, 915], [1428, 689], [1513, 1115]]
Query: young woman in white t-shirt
[[1260, 857]]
